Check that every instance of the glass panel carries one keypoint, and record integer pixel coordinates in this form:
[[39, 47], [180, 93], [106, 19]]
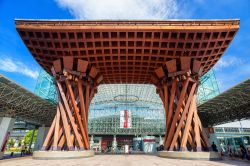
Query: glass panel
[[45, 87], [208, 88]]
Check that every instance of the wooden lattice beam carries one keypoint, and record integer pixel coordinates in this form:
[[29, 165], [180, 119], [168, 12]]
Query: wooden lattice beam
[[69, 130], [178, 89]]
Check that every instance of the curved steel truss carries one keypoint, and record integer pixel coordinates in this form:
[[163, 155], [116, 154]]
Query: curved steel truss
[[15, 101], [231, 105]]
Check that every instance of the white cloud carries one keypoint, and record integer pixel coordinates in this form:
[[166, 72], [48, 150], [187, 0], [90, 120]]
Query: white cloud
[[231, 70], [14, 66], [122, 9], [228, 61]]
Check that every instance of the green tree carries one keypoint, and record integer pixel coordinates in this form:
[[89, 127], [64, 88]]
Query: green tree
[[28, 137], [19, 142], [11, 143]]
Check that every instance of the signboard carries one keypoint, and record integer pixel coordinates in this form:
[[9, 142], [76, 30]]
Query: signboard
[[125, 119]]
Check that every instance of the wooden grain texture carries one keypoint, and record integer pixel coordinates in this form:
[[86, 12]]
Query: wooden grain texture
[[127, 51]]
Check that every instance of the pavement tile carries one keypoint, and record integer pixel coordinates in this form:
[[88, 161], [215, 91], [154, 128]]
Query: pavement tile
[[120, 160]]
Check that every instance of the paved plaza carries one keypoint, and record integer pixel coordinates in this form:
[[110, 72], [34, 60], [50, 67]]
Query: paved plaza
[[119, 160]]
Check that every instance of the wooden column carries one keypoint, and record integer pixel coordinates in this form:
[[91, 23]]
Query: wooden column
[[177, 86], [69, 130]]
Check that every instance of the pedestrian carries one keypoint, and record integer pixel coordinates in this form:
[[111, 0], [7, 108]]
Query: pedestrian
[[229, 149], [214, 147], [243, 151], [161, 147], [23, 150]]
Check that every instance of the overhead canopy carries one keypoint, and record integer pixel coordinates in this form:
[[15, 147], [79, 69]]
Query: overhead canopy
[[18, 102], [128, 51], [232, 105]]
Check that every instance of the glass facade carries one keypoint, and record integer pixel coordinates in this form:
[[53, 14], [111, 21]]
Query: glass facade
[[45, 87], [144, 106], [208, 87], [146, 113], [233, 136], [144, 122]]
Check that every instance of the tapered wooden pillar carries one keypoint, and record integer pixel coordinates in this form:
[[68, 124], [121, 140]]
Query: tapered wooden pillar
[[76, 88], [177, 84]]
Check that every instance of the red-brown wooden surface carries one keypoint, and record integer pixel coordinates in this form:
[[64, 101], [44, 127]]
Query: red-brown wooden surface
[[127, 51]]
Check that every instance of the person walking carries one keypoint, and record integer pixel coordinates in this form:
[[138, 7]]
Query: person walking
[[243, 151]]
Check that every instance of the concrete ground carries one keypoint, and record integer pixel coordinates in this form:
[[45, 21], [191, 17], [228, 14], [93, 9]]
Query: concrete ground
[[119, 160], [7, 155]]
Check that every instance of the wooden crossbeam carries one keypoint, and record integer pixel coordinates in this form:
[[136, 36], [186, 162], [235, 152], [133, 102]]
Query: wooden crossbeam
[[69, 129], [82, 65], [66, 127], [68, 62], [99, 79], [57, 66], [68, 111], [61, 142], [203, 134], [197, 68], [183, 116], [185, 63], [49, 135], [154, 79], [176, 114], [171, 102], [188, 124], [93, 72], [82, 104], [171, 66], [165, 89], [92, 93], [60, 135], [183, 126], [56, 131], [87, 95], [161, 94], [77, 116], [160, 72], [197, 131]]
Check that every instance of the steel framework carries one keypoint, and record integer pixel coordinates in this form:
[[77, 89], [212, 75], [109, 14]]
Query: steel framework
[[234, 102], [15, 101]]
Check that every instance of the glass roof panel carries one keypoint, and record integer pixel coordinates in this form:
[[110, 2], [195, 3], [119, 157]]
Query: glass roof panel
[[127, 94]]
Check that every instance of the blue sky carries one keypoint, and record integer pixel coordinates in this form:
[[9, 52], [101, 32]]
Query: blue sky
[[17, 63]]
